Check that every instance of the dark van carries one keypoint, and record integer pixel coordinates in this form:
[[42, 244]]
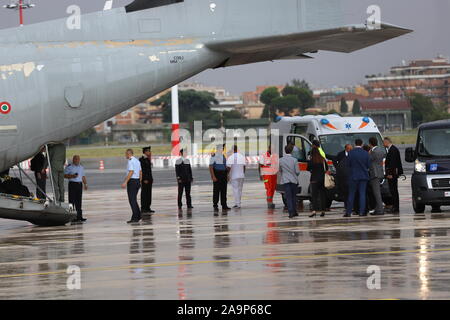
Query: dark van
[[431, 178]]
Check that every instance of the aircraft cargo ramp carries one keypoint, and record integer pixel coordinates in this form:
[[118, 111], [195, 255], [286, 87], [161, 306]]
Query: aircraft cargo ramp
[[37, 212]]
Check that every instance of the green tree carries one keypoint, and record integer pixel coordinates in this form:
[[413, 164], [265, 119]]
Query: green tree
[[300, 84], [356, 108], [194, 105], [286, 104], [344, 105], [423, 109], [233, 114], [421, 105], [305, 96], [267, 96]]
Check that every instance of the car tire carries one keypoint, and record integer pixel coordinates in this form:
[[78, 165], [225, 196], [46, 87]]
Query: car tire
[[418, 207]]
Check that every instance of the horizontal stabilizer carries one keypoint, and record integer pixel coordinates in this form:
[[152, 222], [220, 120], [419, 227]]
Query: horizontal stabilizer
[[296, 57], [138, 5], [345, 39]]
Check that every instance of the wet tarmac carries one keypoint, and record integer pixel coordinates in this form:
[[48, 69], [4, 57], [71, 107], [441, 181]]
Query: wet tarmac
[[252, 253]]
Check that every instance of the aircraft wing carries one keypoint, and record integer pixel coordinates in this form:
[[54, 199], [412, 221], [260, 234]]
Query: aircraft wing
[[344, 39]]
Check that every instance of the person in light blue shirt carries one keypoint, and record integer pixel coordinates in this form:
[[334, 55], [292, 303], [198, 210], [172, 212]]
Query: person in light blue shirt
[[133, 183], [75, 170], [75, 173], [134, 165]]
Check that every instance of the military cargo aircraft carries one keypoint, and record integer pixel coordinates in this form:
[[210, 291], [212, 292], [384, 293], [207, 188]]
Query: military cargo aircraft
[[61, 77], [57, 81]]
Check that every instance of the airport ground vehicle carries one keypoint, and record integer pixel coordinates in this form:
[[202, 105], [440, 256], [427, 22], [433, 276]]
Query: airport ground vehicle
[[430, 181], [333, 132]]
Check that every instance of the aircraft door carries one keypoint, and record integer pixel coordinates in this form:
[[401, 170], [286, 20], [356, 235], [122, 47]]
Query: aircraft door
[[302, 152]]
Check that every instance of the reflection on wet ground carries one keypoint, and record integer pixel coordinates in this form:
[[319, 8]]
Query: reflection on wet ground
[[252, 253]]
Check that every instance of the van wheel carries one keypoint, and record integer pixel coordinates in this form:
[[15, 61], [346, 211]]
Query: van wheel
[[418, 207]]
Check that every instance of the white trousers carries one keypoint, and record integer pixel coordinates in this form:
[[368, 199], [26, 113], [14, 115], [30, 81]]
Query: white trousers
[[237, 185]]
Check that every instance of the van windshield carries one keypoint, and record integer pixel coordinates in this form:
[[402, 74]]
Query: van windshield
[[334, 143], [434, 143]]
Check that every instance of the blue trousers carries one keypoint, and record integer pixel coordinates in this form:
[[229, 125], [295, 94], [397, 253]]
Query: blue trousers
[[133, 187], [361, 187], [290, 192]]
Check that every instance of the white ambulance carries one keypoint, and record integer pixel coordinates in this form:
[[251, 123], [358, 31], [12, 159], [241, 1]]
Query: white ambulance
[[333, 132]]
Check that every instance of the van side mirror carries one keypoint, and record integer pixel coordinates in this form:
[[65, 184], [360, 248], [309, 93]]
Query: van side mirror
[[410, 155]]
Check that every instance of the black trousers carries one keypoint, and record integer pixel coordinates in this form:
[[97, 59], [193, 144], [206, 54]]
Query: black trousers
[[76, 196], [393, 188], [133, 187], [318, 195], [220, 189], [290, 192], [41, 183], [184, 186], [146, 196]]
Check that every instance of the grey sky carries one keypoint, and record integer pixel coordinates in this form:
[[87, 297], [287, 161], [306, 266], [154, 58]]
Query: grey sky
[[428, 19]]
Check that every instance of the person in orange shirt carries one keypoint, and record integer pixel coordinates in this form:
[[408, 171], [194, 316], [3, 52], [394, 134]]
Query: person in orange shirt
[[268, 170]]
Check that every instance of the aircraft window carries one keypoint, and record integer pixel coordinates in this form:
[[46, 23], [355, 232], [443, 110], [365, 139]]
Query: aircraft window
[[137, 5]]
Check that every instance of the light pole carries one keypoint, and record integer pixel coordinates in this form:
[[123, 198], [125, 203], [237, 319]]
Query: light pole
[[19, 5], [175, 122]]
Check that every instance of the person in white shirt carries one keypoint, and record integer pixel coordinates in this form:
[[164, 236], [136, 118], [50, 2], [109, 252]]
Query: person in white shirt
[[236, 163], [75, 173], [133, 183]]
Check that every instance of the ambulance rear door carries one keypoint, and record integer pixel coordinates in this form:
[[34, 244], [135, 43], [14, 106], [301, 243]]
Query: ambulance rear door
[[301, 152]]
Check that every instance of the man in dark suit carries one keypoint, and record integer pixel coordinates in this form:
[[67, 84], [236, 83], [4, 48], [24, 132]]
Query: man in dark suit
[[394, 170], [147, 180], [342, 172], [183, 171], [376, 174], [358, 164], [39, 167]]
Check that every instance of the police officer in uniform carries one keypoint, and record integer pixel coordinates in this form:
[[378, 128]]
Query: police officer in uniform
[[147, 180], [75, 173]]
